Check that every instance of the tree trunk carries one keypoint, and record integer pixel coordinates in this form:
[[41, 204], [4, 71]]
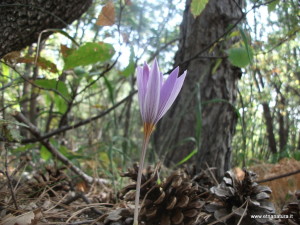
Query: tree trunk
[[270, 128], [23, 20], [201, 48]]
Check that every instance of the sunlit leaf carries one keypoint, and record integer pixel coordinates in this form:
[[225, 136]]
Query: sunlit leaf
[[45, 154], [89, 53], [107, 15], [197, 6], [239, 57]]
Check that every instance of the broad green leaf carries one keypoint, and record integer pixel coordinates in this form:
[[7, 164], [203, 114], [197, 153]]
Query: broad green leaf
[[89, 53], [198, 6], [45, 154], [60, 86], [239, 56]]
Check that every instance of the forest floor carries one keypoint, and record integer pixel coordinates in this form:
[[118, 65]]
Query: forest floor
[[50, 196]]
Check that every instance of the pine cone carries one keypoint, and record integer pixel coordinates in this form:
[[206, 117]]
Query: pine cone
[[149, 179], [120, 216], [292, 212], [203, 179], [241, 198], [174, 201], [52, 177]]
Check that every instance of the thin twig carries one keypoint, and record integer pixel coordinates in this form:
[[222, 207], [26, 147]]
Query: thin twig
[[229, 215], [211, 173], [85, 199], [8, 178], [278, 177], [245, 210], [81, 123]]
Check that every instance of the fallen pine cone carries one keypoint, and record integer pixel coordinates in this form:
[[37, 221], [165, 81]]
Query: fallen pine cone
[[239, 199]]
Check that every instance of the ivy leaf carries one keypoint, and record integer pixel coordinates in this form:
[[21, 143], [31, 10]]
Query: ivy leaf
[[240, 57], [107, 15], [198, 6], [89, 53]]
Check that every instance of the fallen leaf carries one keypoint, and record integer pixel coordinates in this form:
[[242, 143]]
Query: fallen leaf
[[107, 15], [29, 218]]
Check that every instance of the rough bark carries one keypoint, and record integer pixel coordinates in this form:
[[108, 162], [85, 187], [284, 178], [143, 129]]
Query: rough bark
[[23, 20], [270, 128], [200, 48]]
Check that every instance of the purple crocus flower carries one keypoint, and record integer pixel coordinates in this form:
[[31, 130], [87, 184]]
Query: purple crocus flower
[[156, 96]]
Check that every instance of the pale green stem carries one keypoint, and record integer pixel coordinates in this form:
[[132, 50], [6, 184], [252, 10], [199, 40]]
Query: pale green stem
[[139, 178]]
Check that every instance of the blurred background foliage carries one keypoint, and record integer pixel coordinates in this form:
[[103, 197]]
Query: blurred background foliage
[[85, 69]]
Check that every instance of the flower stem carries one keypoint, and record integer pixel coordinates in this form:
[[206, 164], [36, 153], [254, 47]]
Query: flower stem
[[147, 134]]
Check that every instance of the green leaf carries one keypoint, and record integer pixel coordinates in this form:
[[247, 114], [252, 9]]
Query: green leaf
[[45, 154], [58, 85], [272, 5], [246, 43], [198, 6], [110, 89], [187, 157], [5, 70], [216, 66], [89, 53], [60, 104], [239, 57], [131, 66]]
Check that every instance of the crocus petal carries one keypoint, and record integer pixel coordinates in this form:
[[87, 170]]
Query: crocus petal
[[142, 80], [175, 91], [166, 91], [152, 97]]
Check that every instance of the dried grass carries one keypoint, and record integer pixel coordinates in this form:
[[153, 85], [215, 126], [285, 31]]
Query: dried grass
[[284, 188]]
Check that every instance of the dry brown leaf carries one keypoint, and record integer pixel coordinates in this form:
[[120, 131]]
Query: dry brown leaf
[[12, 57], [41, 62], [65, 50], [29, 218], [107, 15]]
